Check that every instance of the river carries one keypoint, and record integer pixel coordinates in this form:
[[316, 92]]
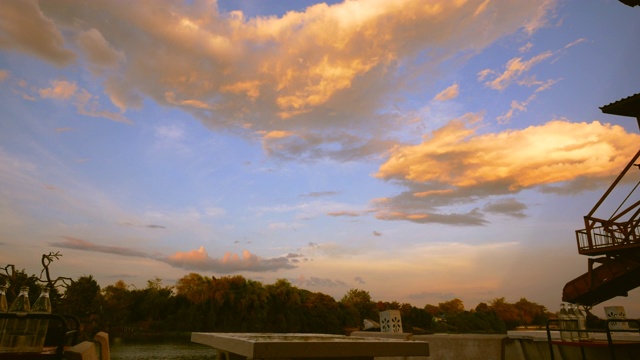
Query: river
[[161, 351]]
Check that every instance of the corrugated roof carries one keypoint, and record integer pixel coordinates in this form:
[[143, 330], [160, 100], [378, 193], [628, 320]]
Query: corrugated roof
[[629, 106], [631, 3]]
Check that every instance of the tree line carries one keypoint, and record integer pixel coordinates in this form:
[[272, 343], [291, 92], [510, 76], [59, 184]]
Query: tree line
[[237, 304]]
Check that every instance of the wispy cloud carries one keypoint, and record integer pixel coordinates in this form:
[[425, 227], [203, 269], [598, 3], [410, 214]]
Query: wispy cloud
[[514, 69], [449, 93], [510, 207], [320, 194], [4, 74], [315, 282], [196, 260], [68, 91]]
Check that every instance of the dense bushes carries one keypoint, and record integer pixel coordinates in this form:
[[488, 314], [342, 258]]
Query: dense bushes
[[236, 304]]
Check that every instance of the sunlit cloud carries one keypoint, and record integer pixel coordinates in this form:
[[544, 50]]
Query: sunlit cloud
[[4, 74], [456, 165], [449, 93], [83, 100], [579, 41], [543, 14], [343, 213], [200, 260], [25, 28], [514, 69], [305, 73], [196, 260], [59, 90], [97, 50]]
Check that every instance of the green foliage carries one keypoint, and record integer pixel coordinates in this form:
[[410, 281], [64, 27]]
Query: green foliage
[[360, 301], [236, 304]]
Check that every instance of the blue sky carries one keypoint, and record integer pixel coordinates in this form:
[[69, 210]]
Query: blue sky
[[420, 150]]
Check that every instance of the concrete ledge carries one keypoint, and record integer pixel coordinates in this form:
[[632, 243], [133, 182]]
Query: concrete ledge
[[85, 350], [465, 346], [384, 335], [102, 339]]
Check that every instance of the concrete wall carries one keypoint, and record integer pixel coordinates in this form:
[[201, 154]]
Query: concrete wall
[[516, 345], [465, 346]]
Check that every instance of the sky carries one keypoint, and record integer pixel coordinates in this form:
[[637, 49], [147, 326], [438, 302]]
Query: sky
[[421, 150]]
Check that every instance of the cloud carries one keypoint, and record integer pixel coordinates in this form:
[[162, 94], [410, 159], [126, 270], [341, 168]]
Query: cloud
[[581, 40], [69, 242], [200, 260], [521, 106], [449, 93], [97, 50], [319, 70], [343, 213], [510, 207], [525, 48], [456, 165], [513, 70], [83, 100], [313, 281], [4, 74], [25, 28], [543, 14], [196, 260], [320, 194], [59, 90], [148, 226]]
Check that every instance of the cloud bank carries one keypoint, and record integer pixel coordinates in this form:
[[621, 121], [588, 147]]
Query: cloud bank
[[194, 260]]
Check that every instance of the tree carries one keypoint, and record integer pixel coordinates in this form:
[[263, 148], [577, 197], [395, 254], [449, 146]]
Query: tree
[[360, 300], [432, 310], [194, 287], [451, 307], [531, 313], [285, 307], [506, 312], [117, 304], [83, 297]]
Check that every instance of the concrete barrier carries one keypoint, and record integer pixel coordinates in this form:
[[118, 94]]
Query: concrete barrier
[[85, 350], [102, 339], [465, 346], [516, 345]]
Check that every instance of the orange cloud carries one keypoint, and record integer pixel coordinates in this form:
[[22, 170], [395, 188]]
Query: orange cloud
[[513, 70], [200, 260], [25, 28], [449, 93], [60, 90], [550, 153]]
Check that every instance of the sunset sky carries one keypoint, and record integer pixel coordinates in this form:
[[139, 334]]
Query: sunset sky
[[421, 150]]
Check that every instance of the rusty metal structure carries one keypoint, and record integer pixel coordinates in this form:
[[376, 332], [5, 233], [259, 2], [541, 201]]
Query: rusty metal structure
[[613, 244]]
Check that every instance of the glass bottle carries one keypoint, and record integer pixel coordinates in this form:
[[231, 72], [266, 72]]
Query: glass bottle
[[15, 336], [3, 309], [39, 326]]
